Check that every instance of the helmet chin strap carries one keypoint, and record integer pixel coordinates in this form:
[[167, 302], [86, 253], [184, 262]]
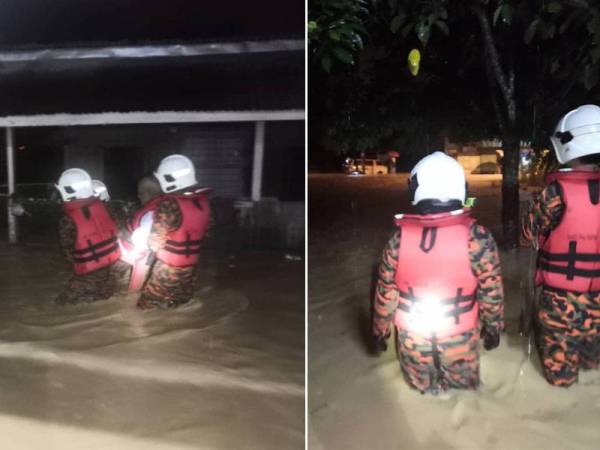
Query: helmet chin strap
[[435, 206]]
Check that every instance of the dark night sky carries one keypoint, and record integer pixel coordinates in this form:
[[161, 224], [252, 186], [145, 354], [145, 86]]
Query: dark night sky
[[60, 22]]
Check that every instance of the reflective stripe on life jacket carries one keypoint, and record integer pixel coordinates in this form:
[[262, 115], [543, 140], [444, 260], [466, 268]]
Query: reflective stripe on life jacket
[[569, 257], [436, 284], [96, 242], [183, 245]]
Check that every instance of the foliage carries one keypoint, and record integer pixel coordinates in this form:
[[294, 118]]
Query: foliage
[[336, 31], [373, 103]]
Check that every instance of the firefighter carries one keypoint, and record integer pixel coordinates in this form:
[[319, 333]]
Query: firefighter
[[88, 239], [439, 283], [135, 262], [179, 222], [100, 190], [563, 223]]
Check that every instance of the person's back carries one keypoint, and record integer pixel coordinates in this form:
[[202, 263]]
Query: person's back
[[179, 223], [563, 222], [88, 239], [439, 280]]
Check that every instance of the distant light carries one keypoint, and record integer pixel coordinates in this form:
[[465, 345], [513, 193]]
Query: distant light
[[21, 147]]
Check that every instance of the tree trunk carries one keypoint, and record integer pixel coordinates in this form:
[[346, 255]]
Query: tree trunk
[[510, 190]]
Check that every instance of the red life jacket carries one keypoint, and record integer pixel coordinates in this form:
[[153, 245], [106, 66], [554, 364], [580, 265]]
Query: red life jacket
[[96, 243], [148, 206], [569, 257], [183, 245], [434, 276]]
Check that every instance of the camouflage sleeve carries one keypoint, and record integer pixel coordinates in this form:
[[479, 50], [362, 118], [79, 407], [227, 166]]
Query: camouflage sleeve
[[67, 234], [386, 292], [543, 214], [166, 218], [485, 263]]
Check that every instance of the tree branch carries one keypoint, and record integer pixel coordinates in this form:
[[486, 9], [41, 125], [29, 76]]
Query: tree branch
[[505, 87], [497, 111]]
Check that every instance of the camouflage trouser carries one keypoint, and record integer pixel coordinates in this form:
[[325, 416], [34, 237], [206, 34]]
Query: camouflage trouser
[[568, 335], [96, 285], [430, 364], [167, 287]]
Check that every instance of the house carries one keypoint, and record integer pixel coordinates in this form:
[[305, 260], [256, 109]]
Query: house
[[234, 105]]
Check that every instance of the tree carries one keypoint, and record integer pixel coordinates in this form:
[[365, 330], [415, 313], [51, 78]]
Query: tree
[[539, 58]]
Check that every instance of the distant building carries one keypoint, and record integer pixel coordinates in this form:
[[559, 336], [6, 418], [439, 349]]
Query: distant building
[[480, 157]]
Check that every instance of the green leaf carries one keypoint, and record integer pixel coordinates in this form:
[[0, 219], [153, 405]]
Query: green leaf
[[326, 63], [343, 55], [497, 14], [530, 32], [505, 12], [554, 7], [312, 26], [358, 42], [442, 26], [397, 22], [334, 36], [423, 31]]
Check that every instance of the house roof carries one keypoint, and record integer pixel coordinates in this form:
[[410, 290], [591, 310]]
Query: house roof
[[73, 57], [256, 80]]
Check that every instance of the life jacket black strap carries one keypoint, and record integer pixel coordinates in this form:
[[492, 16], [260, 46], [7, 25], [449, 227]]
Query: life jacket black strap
[[92, 247], [187, 251], [187, 247], [182, 243], [583, 257], [570, 258], [568, 271], [95, 256], [410, 297], [456, 311], [428, 236]]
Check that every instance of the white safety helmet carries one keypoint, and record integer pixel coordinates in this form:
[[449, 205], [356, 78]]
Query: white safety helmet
[[100, 190], [75, 184], [437, 176], [175, 172], [577, 134]]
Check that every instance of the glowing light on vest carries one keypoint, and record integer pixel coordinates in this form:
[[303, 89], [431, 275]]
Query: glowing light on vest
[[138, 247], [427, 316]]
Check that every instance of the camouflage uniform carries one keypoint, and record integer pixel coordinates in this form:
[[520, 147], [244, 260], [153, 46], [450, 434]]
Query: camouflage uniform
[[568, 332], [430, 363], [167, 286], [96, 285]]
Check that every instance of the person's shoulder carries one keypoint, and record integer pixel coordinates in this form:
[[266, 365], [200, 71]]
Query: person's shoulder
[[551, 190], [480, 233], [167, 203]]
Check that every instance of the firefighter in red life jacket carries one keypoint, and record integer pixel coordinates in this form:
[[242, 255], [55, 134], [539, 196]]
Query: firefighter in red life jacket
[[563, 223], [439, 283], [88, 238], [180, 220]]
